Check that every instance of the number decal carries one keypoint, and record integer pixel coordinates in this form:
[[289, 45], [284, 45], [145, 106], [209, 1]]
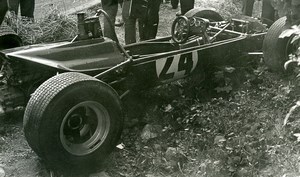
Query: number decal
[[164, 73], [177, 66]]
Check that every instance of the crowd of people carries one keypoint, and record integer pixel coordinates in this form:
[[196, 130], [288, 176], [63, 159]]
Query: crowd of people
[[26, 8], [145, 13], [274, 9]]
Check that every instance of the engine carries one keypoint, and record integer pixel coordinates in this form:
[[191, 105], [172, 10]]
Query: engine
[[17, 81]]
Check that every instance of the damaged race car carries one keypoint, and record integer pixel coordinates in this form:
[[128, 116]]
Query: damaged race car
[[72, 91]]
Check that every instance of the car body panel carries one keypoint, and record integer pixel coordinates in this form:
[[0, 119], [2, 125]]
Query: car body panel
[[78, 56]]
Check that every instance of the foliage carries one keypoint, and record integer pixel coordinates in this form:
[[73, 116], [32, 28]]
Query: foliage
[[293, 34]]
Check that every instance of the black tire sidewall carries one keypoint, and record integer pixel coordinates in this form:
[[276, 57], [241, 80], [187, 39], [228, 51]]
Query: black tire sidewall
[[207, 13], [49, 144], [274, 48]]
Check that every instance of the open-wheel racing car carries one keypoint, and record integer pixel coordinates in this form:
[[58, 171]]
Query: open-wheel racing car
[[74, 117]]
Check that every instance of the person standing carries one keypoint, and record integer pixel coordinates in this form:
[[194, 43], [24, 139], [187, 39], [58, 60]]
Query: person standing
[[295, 11], [268, 14], [119, 20], [131, 17], [26, 7], [3, 10], [146, 13], [150, 24], [186, 5], [111, 8], [247, 7]]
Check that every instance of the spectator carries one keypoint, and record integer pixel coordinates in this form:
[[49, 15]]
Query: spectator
[[133, 12], [3, 10], [146, 13], [119, 20], [174, 4], [111, 8], [150, 27], [186, 5], [26, 7], [295, 11], [268, 14], [247, 7]]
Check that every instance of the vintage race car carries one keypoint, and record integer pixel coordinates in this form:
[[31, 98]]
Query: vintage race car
[[74, 118]]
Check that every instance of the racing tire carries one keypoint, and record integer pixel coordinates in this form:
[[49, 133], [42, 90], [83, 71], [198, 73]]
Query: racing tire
[[207, 13], [275, 49], [73, 122]]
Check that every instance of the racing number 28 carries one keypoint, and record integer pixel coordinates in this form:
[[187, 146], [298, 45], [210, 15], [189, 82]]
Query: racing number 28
[[177, 66]]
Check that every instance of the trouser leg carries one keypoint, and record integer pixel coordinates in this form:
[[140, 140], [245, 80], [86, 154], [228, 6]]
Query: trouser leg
[[27, 8], [3, 10], [295, 11], [247, 7], [111, 10], [13, 5], [268, 12], [186, 5], [174, 3], [152, 20], [129, 24]]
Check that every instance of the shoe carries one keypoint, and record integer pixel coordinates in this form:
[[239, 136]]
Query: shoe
[[119, 22], [178, 13]]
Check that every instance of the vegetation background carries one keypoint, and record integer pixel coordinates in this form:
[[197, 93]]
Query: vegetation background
[[229, 125]]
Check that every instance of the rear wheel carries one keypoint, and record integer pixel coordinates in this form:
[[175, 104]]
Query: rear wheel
[[209, 14], [73, 122]]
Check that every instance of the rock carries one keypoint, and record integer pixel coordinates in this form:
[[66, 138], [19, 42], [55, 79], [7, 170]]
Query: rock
[[156, 175], [244, 172], [157, 147], [151, 131], [2, 141], [101, 174], [171, 153], [174, 157], [2, 172], [2, 130], [219, 140]]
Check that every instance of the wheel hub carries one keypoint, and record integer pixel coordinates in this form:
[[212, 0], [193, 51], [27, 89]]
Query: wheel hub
[[84, 128]]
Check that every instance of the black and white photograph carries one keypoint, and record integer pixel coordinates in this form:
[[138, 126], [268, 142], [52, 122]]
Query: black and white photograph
[[149, 88]]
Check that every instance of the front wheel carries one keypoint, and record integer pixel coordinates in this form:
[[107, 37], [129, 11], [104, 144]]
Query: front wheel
[[275, 49], [73, 121]]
